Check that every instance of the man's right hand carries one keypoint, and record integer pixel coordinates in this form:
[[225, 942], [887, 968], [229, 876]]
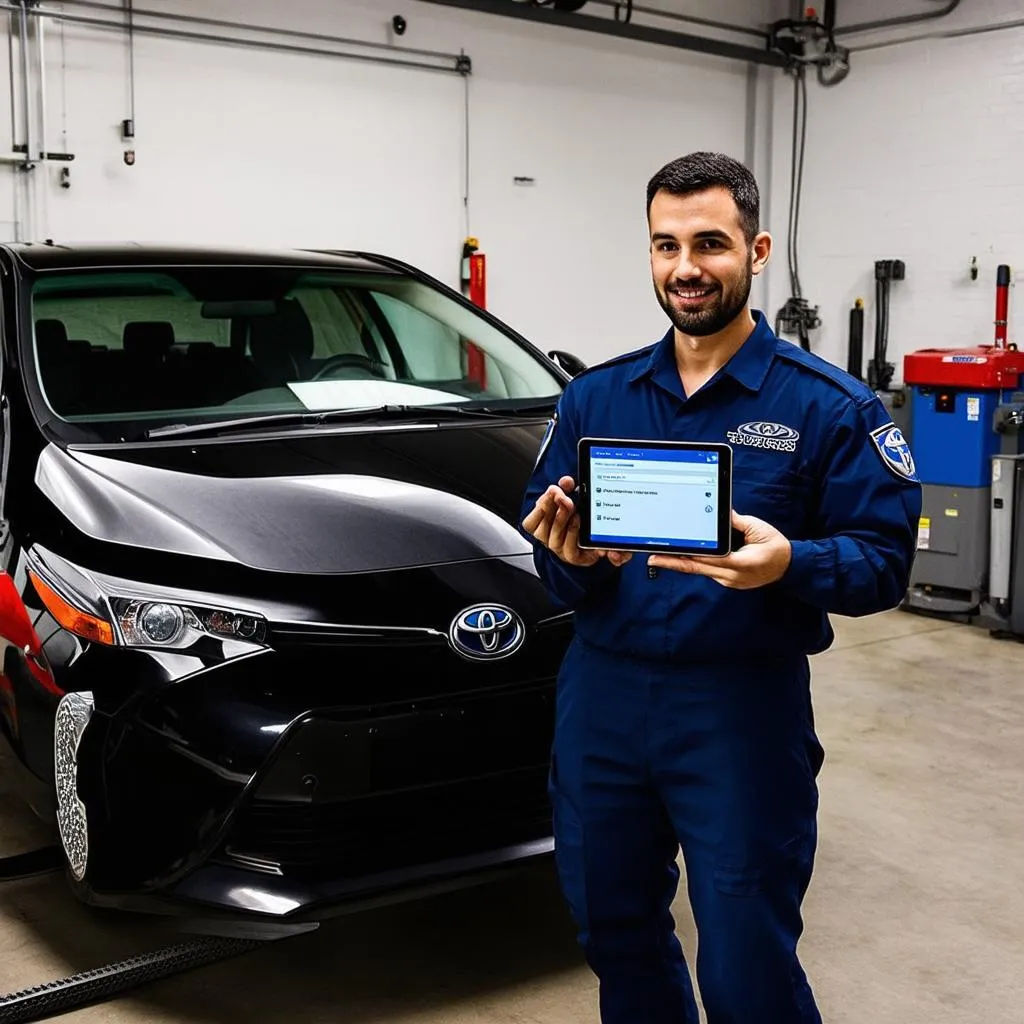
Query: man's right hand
[[555, 522]]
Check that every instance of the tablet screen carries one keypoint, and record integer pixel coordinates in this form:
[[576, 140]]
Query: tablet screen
[[656, 497]]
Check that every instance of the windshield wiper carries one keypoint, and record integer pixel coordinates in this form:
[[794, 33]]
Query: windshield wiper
[[520, 407], [310, 418]]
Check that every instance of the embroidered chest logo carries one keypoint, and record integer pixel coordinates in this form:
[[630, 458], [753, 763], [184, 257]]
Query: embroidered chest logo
[[775, 437]]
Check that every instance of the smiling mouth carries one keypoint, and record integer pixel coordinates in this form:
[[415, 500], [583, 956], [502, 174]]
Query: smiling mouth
[[692, 294]]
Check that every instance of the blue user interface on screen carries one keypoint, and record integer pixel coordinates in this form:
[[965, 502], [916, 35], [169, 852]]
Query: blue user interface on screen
[[654, 496]]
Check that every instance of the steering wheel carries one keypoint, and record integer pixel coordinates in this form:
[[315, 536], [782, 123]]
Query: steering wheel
[[350, 359]]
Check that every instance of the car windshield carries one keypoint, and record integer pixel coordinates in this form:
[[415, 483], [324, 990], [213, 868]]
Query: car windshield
[[139, 348]]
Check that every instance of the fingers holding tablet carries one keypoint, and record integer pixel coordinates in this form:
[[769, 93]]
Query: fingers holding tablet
[[555, 522], [763, 558]]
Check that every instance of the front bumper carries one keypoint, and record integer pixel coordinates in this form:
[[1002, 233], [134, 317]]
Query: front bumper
[[284, 787], [222, 900]]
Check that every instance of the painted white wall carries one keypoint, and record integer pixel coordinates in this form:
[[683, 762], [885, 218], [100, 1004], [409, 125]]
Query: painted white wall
[[917, 156], [246, 147]]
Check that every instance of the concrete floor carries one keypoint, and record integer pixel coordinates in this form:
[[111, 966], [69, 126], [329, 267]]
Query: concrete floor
[[915, 915]]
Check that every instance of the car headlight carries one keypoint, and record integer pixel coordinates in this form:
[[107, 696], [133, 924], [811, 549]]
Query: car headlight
[[95, 611], [163, 624]]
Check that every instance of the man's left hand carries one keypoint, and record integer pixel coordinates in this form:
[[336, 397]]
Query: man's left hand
[[763, 559]]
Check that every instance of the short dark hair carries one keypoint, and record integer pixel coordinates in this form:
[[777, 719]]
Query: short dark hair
[[699, 171]]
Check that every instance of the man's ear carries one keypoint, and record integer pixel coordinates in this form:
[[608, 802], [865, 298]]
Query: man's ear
[[762, 251]]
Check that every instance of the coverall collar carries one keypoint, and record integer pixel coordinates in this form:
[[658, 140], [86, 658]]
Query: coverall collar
[[749, 365]]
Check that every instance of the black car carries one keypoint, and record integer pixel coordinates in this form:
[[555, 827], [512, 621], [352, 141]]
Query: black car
[[273, 642]]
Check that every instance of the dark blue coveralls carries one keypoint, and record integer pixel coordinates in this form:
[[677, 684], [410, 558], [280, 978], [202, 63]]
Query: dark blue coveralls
[[684, 713]]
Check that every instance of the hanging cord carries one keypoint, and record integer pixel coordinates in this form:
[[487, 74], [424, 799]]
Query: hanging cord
[[131, 61], [796, 315], [836, 65], [796, 177], [63, 88], [466, 168]]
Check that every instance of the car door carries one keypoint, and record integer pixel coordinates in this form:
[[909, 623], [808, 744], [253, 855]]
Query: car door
[[7, 320], [13, 618], [28, 690]]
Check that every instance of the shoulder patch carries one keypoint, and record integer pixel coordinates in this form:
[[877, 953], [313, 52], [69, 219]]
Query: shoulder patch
[[845, 382], [895, 452]]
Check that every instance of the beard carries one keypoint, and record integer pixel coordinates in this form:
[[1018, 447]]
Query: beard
[[716, 312]]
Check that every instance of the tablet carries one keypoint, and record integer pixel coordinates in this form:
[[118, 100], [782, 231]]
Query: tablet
[[665, 497]]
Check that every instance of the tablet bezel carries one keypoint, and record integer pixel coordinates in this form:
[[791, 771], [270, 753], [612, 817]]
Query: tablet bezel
[[584, 495]]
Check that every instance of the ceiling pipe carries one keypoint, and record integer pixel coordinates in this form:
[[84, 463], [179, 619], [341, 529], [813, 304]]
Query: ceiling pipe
[[951, 33], [290, 33], [621, 30], [692, 19], [460, 63], [906, 19]]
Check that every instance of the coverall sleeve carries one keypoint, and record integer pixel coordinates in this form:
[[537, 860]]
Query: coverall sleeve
[[557, 457], [864, 526]]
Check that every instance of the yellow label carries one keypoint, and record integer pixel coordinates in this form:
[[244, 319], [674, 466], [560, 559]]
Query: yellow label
[[924, 533], [952, 512]]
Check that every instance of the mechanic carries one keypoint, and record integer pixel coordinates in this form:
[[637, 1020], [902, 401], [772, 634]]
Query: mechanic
[[684, 717]]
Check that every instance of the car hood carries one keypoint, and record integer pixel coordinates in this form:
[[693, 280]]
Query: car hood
[[339, 501]]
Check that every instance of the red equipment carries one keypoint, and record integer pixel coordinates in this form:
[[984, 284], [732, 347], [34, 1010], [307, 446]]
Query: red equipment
[[474, 273], [994, 366], [478, 279], [1002, 303], [474, 286]]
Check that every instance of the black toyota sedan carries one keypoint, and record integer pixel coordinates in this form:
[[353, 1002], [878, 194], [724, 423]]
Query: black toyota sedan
[[273, 643]]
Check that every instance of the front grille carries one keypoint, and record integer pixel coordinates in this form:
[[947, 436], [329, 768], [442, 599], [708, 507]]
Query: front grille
[[291, 635], [352, 838]]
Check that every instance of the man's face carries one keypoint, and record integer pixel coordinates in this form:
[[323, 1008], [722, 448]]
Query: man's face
[[701, 263]]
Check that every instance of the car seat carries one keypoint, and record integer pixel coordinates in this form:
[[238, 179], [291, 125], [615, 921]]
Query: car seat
[[281, 345]]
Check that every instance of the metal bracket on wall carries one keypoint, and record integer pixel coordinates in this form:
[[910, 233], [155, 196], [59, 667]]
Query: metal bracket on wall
[[620, 29], [27, 163]]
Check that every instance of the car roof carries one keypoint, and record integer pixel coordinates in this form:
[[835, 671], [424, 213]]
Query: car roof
[[54, 255]]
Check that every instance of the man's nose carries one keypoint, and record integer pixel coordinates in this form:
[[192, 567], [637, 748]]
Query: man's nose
[[686, 269]]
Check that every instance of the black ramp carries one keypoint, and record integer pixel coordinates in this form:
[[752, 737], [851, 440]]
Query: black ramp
[[44, 1002]]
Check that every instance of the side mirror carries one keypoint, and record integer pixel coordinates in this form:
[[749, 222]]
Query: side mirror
[[568, 362]]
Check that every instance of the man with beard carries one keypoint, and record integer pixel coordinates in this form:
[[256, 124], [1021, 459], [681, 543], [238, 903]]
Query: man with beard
[[684, 715]]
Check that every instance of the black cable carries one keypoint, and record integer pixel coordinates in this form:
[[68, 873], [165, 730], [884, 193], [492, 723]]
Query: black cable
[[886, 376], [797, 178], [131, 58], [800, 179], [874, 373], [467, 167], [792, 184], [880, 371], [796, 315]]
